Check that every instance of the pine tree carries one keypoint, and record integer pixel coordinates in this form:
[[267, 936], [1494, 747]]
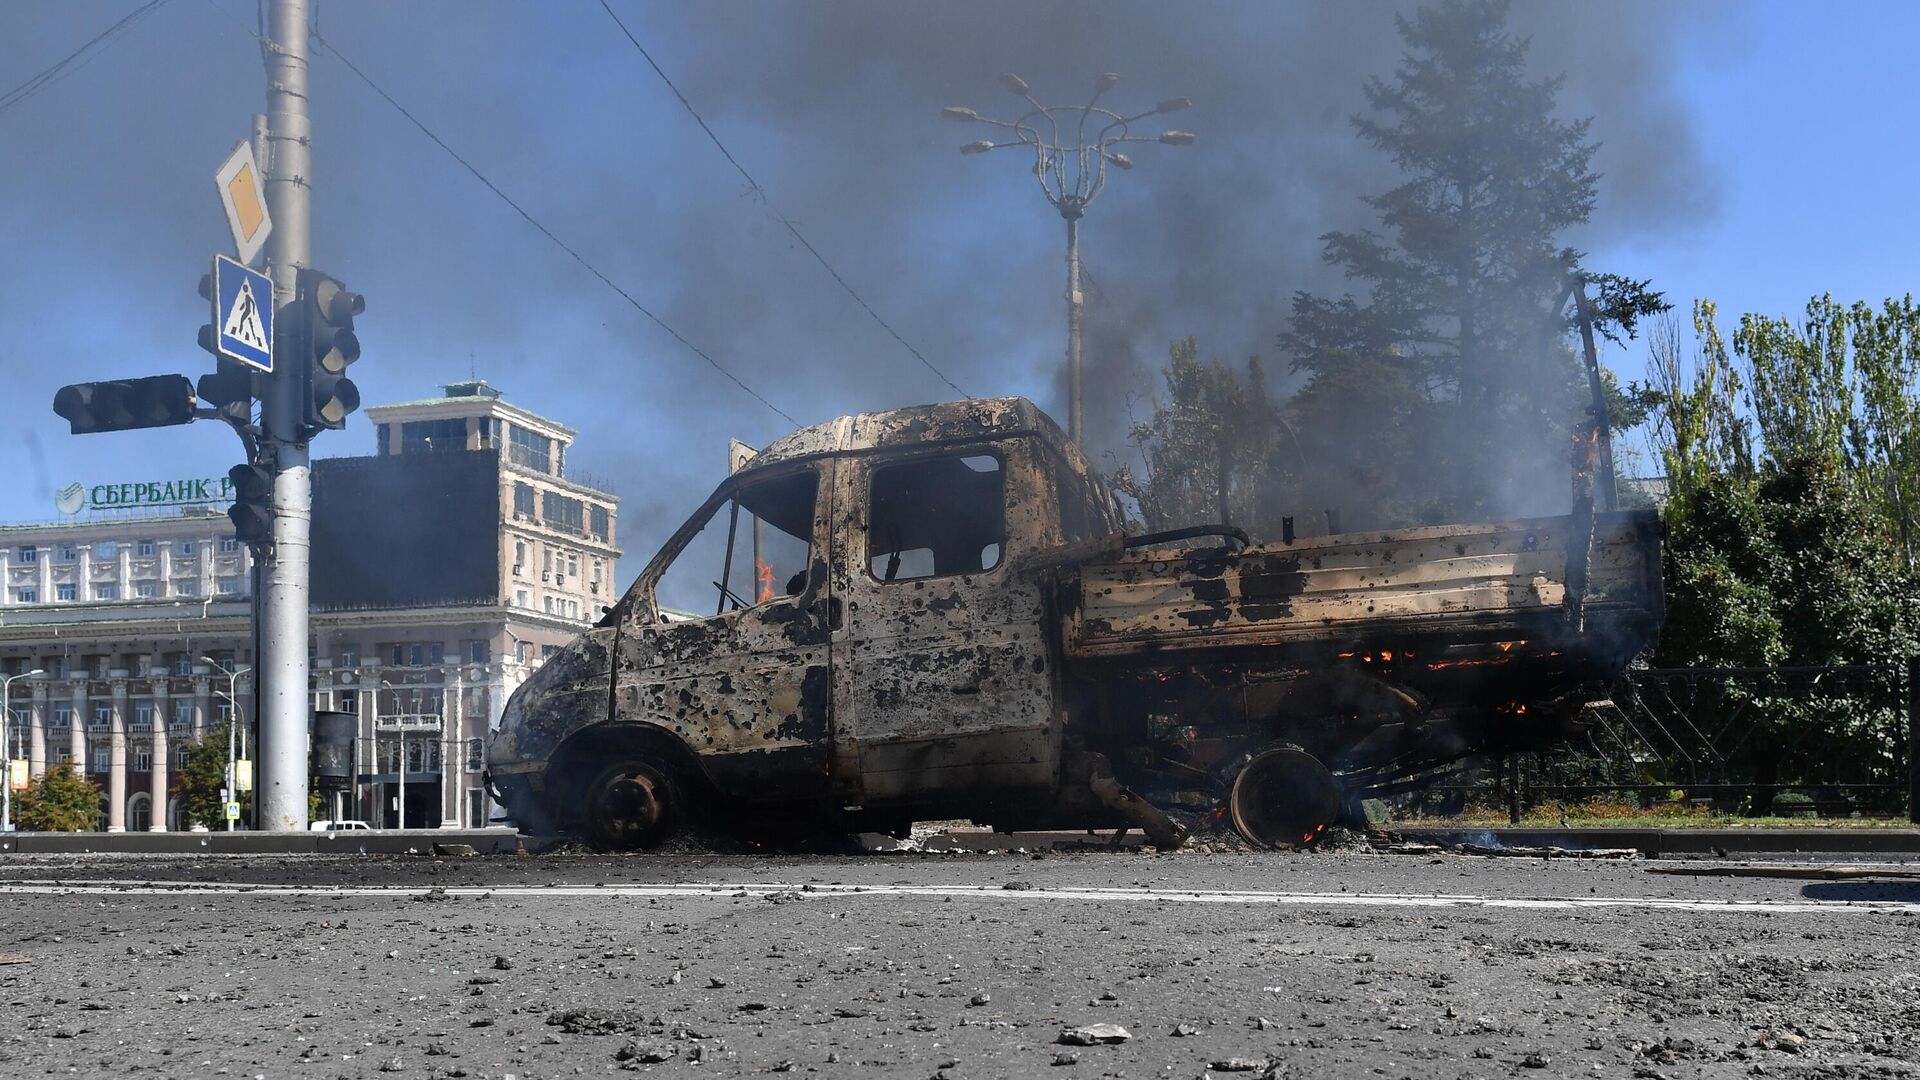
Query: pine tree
[[1456, 352]]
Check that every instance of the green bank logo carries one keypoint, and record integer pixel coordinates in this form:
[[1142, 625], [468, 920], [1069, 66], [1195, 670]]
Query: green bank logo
[[71, 499], [75, 497]]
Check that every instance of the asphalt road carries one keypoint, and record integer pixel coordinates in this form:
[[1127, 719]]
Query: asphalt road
[[1315, 965]]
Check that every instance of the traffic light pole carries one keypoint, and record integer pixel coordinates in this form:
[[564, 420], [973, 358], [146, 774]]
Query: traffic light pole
[[280, 775]]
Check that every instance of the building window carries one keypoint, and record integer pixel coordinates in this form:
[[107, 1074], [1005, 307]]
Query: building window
[[599, 521], [27, 553], [66, 755], [179, 758], [430, 436], [102, 760], [528, 449], [416, 655], [65, 553], [184, 549], [477, 652], [522, 502], [143, 716], [548, 652], [182, 717], [183, 663], [106, 549], [143, 759], [229, 545], [520, 598], [519, 556], [26, 596], [549, 603], [62, 716], [143, 549], [65, 592], [225, 660], [186, 588], [436, 652], [146, 589], [102, 716], [106, 592], [558, 511], [229, 586], [349, 658]]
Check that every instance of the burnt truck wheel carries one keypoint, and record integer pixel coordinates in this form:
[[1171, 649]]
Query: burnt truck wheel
[[1284, 798], [631, 804]]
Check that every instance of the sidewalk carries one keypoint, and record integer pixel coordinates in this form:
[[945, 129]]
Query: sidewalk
[[357, 842]]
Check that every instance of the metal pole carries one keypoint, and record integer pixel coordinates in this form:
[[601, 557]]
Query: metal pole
[[403, 770], [280, 774], [233, 781], [1074, 301], [6, 753]]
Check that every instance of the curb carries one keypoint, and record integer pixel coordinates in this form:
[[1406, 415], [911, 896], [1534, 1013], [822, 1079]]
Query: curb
[[357, 842]]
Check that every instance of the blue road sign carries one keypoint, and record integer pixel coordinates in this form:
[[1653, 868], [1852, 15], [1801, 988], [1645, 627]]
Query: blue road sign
[[243, 313]]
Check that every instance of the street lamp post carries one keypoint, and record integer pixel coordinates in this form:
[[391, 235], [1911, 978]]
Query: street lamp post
[[6, 746], [233, 714], [1071, 172]]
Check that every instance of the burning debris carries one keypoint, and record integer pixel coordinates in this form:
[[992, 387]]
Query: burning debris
[[970, 634]]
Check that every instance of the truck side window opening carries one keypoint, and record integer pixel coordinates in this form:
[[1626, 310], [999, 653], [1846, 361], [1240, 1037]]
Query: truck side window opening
[[936, 517], [752, 548]]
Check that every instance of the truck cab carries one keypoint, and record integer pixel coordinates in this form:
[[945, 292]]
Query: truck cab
[[866, 646]]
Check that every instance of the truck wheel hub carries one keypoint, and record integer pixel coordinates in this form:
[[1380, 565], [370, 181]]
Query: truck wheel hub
[[1284, 798], [629, 806]]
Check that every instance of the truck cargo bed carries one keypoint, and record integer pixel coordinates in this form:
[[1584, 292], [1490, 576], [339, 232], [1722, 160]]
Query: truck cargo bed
[[1466, 582]]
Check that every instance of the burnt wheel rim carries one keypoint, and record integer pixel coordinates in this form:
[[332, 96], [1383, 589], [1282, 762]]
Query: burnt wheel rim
[[629, 806], [1284, 798]]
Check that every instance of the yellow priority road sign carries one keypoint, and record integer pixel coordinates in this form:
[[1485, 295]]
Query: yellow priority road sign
[[243, 195]]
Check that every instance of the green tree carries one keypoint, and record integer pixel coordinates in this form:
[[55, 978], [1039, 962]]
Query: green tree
[[1207, 449], [1457, 350], [203, 777], [59, 801]]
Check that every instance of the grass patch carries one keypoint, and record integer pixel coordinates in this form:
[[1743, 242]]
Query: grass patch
[[1622, 814]]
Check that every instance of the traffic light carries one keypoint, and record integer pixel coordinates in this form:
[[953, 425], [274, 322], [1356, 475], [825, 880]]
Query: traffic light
[[126, 404], [252, 509], [327, 346], [230, 387]]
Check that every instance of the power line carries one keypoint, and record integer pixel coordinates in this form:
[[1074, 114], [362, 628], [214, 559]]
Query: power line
[[785, 222], [548, 233], [66, 65]]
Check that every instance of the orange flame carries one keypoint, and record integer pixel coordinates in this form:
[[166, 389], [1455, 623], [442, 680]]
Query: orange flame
[[763, 572]]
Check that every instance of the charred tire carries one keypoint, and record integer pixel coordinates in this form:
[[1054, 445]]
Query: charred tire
[[1284, 798], [631, 804]]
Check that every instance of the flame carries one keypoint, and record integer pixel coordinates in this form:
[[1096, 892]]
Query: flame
[[763, 573]]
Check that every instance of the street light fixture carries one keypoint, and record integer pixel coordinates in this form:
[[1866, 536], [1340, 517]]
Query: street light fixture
[[233, 716], [1071, 167], [6, 746]]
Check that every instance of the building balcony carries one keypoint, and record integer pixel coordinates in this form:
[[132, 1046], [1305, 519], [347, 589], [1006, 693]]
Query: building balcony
[[408, 722]]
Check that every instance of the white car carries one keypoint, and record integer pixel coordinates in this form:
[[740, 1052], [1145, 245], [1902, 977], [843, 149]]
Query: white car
[[339, 826]]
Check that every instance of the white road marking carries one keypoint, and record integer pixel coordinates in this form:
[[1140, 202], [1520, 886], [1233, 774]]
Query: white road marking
[[699, 890]]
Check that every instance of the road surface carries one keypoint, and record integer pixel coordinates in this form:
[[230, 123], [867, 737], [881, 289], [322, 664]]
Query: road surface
[[920, 965]]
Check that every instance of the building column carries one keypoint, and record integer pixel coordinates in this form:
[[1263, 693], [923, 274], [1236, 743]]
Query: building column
[[162, 714], [206, 567], [367, 746], [117, 755], [37, 733], [452, 761], [77, 728], [43, 579], [202, 701]]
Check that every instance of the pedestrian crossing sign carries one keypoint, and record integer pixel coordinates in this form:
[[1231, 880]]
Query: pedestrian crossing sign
[[233, 811], [243, 313]]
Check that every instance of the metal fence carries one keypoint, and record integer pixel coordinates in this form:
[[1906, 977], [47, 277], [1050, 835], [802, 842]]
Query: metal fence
[[1827, 741]]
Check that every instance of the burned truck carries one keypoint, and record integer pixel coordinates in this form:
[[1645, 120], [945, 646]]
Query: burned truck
[[936, 612]]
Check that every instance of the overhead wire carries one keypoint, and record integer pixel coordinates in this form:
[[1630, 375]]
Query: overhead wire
[[549, 233], [785, 222], [66, 65]]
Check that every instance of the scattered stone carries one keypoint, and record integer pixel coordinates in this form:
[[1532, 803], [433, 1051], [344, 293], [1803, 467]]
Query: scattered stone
[[1535, 1060], [1238, 1065], [979, 999], [597, 1021], [1018, 885], [434, 895], [847, 1012], [784, 896], [1093, 1035], [16, 958], [716, 984], [455, 849], [392, 1064], [647, 1052], [1066, 1057], [1182, 1030], [501, 963]]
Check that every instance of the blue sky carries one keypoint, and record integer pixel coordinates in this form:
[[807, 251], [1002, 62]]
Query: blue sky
[[1755, 153]]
